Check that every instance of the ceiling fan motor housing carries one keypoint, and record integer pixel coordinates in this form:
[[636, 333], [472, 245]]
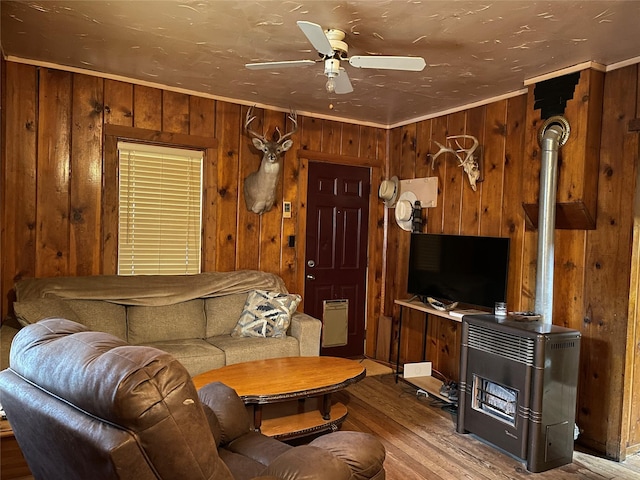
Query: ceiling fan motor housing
[[335, 38]]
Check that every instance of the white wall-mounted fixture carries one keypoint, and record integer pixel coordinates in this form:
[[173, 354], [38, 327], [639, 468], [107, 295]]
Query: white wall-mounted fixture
[[425, 190]]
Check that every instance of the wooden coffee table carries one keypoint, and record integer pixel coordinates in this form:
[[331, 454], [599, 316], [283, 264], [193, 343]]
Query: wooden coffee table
[[275, 383]]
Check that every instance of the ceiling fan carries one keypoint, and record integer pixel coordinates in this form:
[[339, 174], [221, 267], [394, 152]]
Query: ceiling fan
[[332, 49]]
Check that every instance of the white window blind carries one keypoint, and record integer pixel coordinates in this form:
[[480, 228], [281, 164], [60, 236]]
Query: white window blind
[[160, 206]]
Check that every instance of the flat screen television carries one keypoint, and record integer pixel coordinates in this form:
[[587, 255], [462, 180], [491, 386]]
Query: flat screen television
[[470, 270]]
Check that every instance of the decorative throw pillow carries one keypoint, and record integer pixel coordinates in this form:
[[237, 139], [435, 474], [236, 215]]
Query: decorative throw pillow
[[266, 314]]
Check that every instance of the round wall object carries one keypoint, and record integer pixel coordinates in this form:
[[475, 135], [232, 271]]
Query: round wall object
[[404, 210]]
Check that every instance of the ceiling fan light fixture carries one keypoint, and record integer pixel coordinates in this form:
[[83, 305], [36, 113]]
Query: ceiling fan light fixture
[[331, 67], [332, 50], [331, 70], [331, 85]]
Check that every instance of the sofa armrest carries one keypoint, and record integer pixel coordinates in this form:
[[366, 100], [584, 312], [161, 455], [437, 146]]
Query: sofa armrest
[[363, 452], [231, 416], [306, 462], [307, 330]]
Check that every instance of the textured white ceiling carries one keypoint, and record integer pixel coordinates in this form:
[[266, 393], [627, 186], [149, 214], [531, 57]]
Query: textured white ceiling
[[475, 50]]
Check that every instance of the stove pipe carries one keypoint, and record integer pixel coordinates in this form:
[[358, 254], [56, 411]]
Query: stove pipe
[[552, 135]]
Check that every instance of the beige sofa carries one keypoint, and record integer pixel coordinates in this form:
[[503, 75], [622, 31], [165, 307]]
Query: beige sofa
[[191, 317]]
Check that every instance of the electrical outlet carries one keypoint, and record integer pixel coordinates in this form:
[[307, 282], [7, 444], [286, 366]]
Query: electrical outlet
[[286, 209]]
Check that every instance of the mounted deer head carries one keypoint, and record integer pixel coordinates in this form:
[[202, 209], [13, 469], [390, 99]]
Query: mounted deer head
[[260, 186], [470, 164]]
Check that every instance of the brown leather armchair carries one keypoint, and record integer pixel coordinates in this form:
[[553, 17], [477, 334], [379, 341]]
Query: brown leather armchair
[[85, 404]]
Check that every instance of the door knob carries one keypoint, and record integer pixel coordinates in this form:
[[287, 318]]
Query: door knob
[[310, 277]]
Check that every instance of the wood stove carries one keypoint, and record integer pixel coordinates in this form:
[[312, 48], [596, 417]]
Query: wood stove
[[518, 383]]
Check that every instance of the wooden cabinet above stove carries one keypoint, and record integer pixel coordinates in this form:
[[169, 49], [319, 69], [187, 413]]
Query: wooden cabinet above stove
[[578, 159]]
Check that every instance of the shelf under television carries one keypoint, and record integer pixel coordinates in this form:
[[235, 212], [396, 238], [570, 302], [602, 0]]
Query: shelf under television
[[456, 314], [429, 384]]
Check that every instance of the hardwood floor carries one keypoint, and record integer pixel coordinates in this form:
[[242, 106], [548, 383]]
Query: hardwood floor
[[422, 443]]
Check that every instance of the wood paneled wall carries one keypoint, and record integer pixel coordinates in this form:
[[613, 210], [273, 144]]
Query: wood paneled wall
[[494, 209], [593, 268], [59, 211], [56, 210], [610, 360]]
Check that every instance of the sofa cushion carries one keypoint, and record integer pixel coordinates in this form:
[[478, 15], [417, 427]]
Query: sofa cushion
[[97, 315], [245, 349], [180, 321], [101, 316], [196, 355], [32, 311], [266, 314], [223, 312]]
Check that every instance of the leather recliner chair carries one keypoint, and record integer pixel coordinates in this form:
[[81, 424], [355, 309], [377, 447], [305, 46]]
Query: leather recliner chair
[[85, 404]]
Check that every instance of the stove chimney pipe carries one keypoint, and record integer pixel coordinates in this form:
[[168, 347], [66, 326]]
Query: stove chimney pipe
[[552, 135]]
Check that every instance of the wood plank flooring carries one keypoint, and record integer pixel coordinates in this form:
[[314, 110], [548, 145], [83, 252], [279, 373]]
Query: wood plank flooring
[[422, 443]]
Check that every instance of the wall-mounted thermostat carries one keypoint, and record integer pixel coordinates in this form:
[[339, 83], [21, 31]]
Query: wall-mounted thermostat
[[286, 209]]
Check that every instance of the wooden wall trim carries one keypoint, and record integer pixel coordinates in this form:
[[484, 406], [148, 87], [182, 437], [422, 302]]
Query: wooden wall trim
[[374, 267], [630, 428], [303, 180], [114, 133], [169, 138], [3, 166], [340, 159]]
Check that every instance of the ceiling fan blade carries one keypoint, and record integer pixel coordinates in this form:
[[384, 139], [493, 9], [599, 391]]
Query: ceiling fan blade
[[285, 64], [414, 64], [343, 84], [315, 35]]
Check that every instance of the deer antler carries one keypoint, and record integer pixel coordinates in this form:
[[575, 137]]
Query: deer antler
[[469, 163], [468, 151], [442, 150], [293, 116], [248, 119]]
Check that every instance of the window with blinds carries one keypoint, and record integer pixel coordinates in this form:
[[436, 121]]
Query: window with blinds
[[160, 210]]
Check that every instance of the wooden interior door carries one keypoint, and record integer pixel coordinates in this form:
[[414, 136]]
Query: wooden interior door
[[336, 247]]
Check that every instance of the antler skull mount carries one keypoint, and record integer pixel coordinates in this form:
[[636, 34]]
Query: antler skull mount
[[467, 158]]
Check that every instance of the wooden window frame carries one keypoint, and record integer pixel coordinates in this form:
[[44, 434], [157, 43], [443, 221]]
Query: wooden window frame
[[115, 133]]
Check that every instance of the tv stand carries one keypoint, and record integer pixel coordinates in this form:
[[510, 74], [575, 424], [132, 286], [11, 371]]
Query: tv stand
[[428, 384], [456, 314]]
